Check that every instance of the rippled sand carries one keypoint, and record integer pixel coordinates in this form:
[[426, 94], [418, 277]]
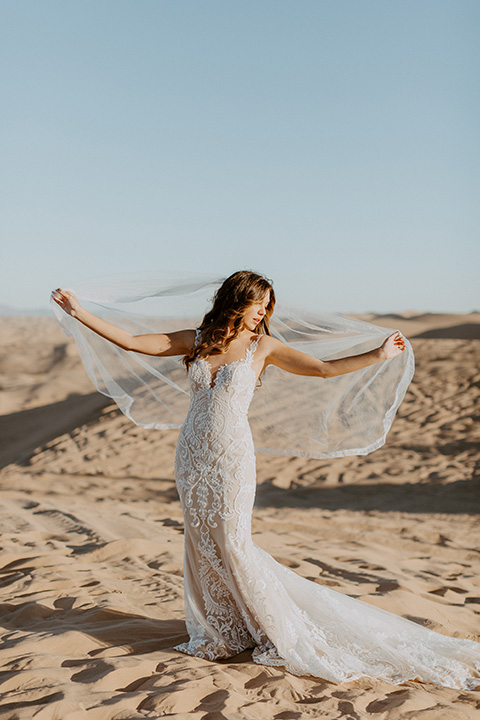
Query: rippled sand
[[91, 542]]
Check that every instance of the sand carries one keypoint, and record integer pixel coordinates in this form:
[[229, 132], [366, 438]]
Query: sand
[[91, 542]]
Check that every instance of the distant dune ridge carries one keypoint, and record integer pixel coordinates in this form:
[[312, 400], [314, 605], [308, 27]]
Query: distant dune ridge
[[430, 325], [91, 545]]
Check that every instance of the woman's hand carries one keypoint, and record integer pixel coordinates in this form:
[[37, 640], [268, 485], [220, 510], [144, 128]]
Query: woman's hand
[[394, 345], [160, 344], [67, 301]]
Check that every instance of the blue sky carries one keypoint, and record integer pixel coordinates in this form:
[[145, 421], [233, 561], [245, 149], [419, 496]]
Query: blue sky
[[332, 145]]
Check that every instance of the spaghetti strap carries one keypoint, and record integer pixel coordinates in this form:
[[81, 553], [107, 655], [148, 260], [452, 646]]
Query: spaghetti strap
[[254, 343], [252, 347]]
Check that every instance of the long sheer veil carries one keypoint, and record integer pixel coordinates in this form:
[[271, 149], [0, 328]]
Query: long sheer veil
[[290, 414]]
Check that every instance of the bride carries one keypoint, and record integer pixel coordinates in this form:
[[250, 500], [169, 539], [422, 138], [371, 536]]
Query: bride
[[236, 595]]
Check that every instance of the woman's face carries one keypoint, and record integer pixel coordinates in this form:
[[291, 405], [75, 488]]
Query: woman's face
[[256, 312]]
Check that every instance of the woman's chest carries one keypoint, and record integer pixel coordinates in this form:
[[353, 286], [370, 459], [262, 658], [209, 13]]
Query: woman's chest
[[233, 377]]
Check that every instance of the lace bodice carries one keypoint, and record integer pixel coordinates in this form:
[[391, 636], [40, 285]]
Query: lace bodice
[[216, 434], [229, 390]]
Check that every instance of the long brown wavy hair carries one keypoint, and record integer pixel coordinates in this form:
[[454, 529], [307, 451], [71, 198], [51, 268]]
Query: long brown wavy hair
[[230, 302]]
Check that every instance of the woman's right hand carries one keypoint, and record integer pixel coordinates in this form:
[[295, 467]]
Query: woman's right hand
[[67, 301]]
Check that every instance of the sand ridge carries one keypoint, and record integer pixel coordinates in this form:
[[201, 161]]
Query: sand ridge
[[91, 542]]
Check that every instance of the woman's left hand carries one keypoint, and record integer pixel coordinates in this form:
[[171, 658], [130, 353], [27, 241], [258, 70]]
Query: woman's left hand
[[394, 345]]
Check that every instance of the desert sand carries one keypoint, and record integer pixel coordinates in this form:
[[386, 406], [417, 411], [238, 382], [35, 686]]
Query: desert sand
[[91, 542]]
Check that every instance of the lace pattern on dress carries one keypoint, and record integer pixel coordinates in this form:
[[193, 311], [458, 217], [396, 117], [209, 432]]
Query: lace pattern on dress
[[237, 596]]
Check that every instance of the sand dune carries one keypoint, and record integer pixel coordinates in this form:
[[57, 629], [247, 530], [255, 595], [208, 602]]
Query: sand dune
[[430, 325], [91, 542]]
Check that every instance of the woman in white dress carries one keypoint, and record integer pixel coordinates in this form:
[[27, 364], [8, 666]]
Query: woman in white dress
[[236, 595]]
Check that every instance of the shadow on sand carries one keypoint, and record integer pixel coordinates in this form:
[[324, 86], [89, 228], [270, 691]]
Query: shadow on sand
[[134, 634], [462, 497], [22, 432]]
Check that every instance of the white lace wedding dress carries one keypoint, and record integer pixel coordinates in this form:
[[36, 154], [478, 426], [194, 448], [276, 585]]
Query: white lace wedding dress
[[237, 596]]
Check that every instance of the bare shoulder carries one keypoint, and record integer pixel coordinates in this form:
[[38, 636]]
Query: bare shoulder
[[272, 343], [294, 361], [270, 346]]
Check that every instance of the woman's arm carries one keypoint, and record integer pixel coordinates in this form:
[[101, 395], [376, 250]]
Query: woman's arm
[[161, 344], [301, 363]]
